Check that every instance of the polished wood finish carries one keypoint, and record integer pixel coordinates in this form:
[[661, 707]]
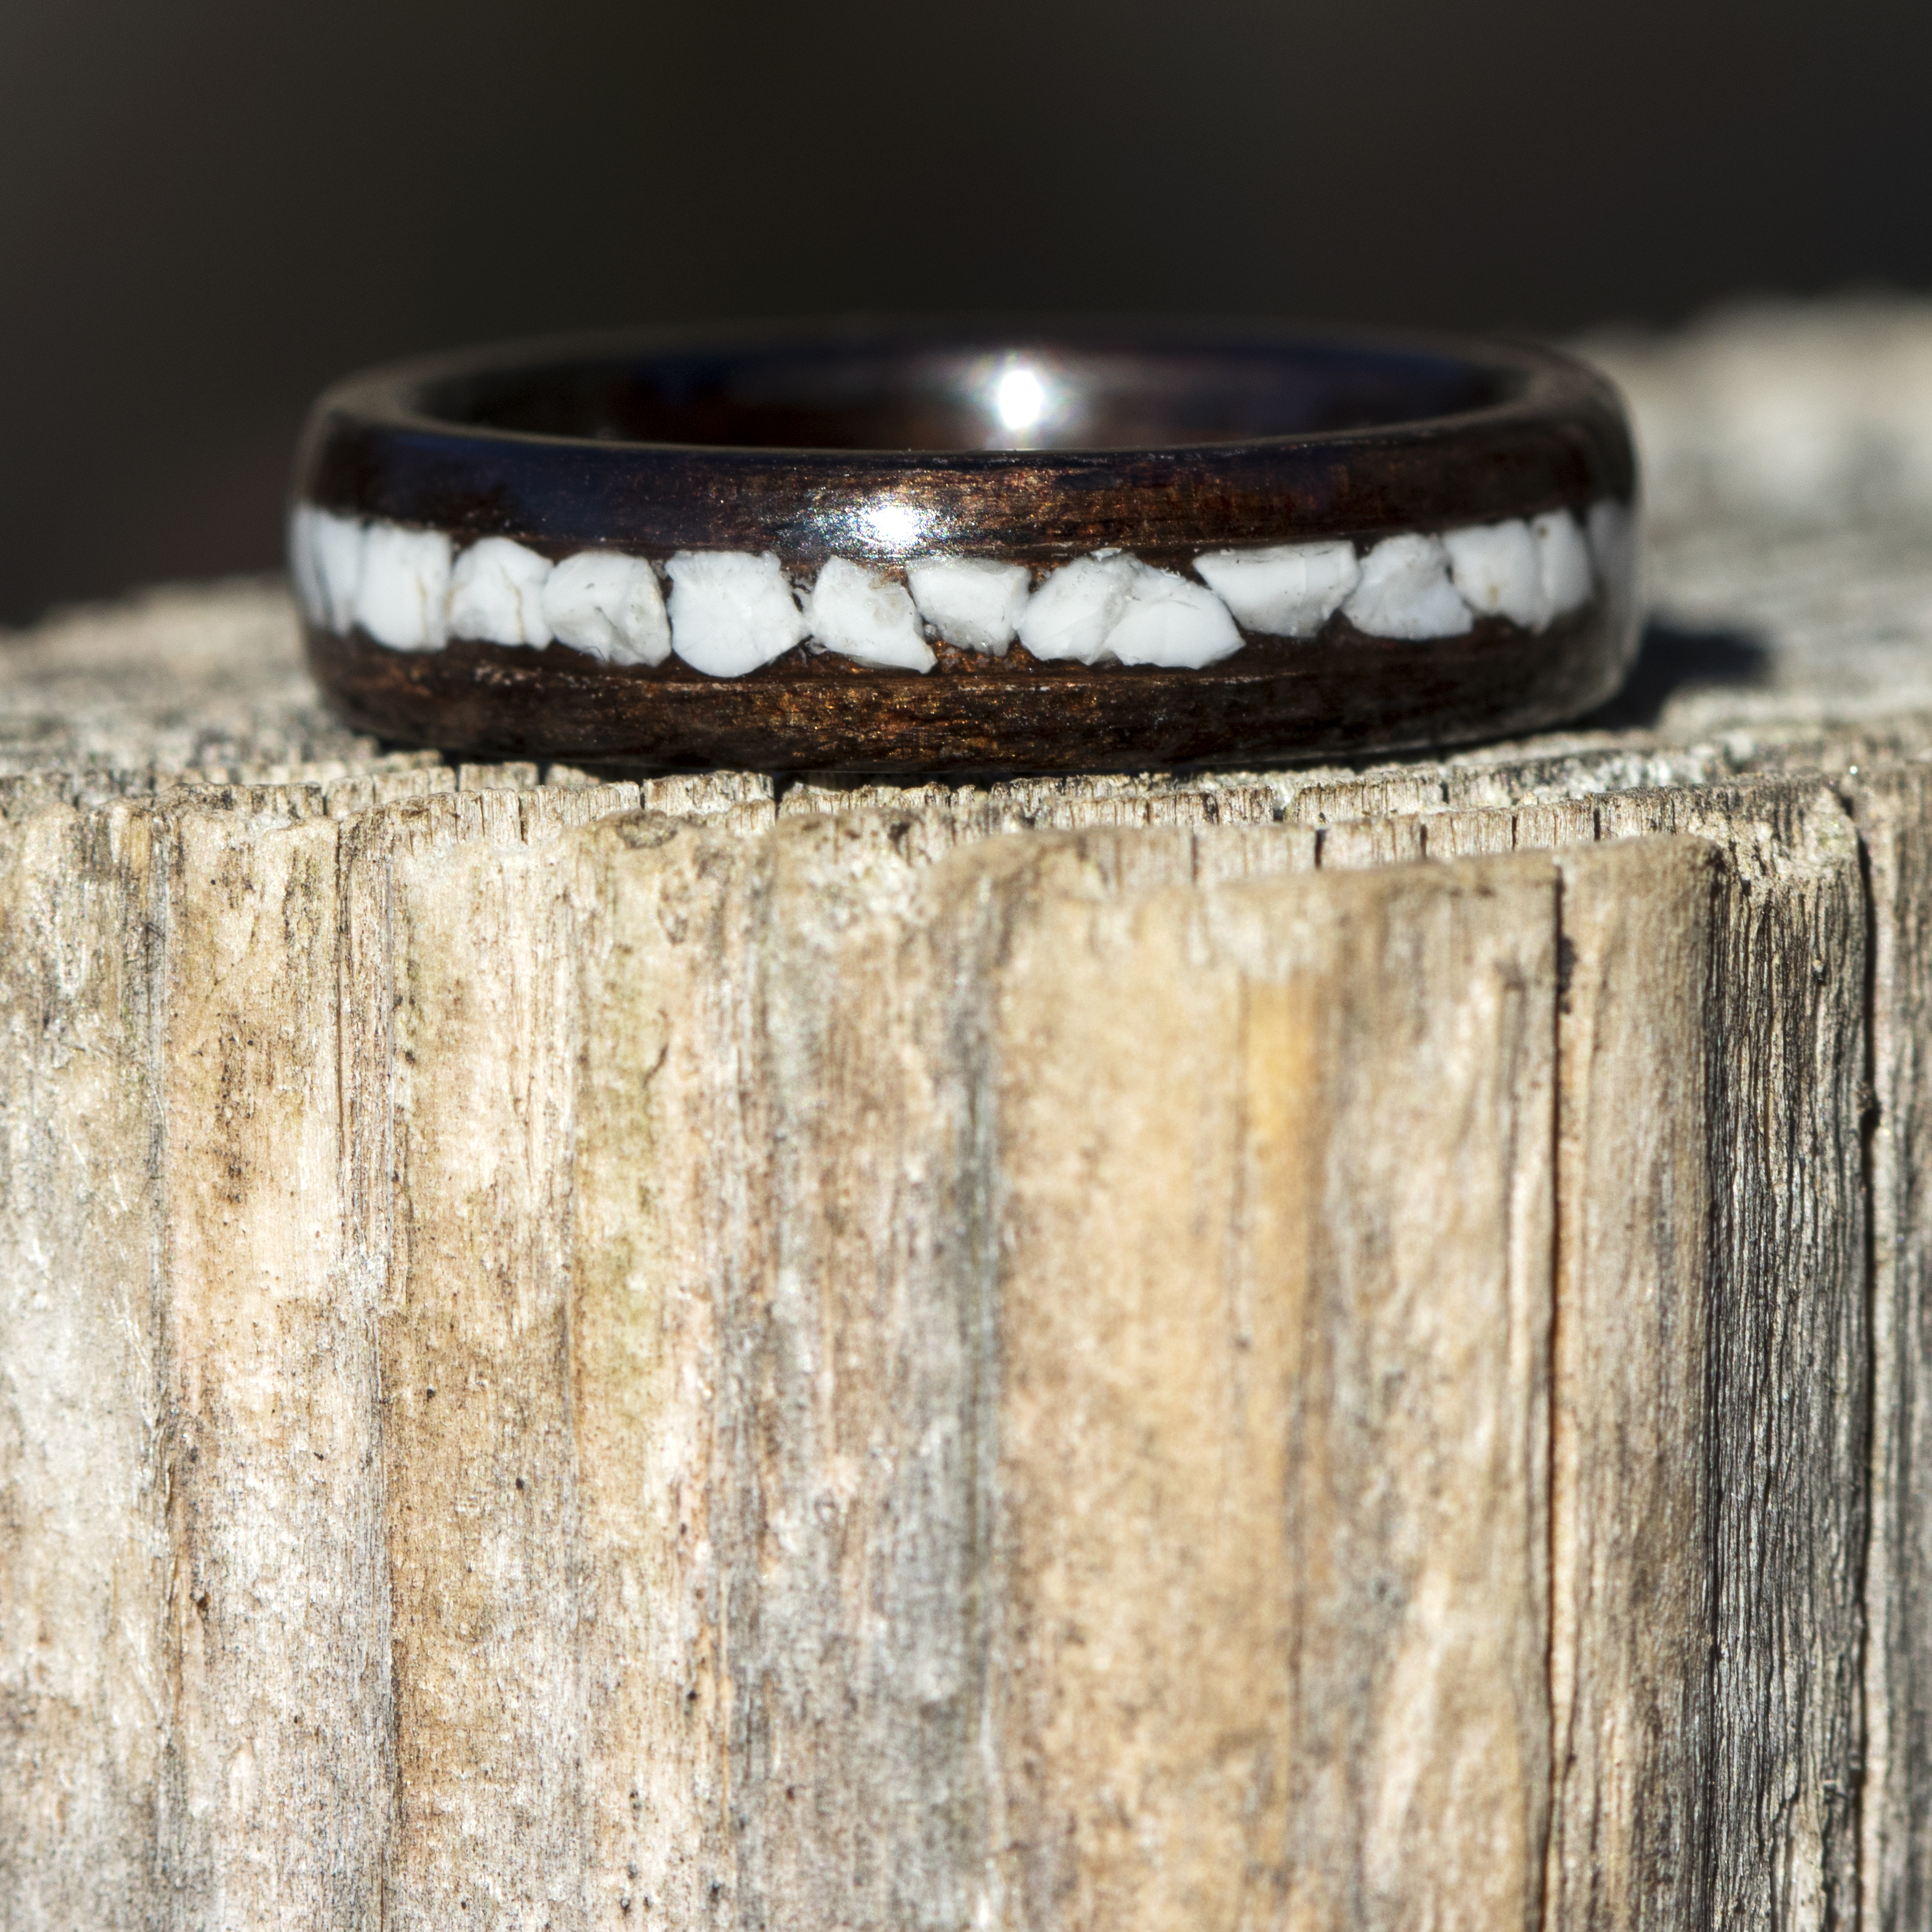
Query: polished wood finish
[[1245, 436]]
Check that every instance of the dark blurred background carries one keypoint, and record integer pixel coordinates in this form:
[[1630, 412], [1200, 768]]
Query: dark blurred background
[[208, 210]]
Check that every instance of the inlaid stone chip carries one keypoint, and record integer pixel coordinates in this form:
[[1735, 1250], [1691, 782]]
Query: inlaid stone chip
[[609, 605], [325, 554], [731, 611], [974, 602], [496, 594], [1282, 590], [1070, 615], [1171, 622], [862, 615], [1405, 592], [1498, 568], [402, 593], [1111, 605], [1565, 561]]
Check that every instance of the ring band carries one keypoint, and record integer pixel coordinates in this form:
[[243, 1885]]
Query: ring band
[[957, 550]]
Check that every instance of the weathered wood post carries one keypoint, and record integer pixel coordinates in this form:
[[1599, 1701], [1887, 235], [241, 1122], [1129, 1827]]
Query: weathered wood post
[[1319, 1349]]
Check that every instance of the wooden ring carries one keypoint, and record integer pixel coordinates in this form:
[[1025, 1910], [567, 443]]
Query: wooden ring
[[958, 549]]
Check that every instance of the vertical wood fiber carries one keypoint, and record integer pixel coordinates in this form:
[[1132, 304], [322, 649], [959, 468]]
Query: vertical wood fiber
[[1895, 817], [1789, 1360], [1133, 1377], [277, 1769], [1634, 1533], [85, 1696], [1274, 1307]]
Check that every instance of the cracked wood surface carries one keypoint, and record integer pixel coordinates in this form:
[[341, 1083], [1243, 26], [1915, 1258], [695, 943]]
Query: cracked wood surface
[[1300, 1348]]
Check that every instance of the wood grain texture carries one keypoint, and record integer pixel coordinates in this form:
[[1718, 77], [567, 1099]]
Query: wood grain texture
[[1632, 1530], [1282, 1348], [1895, 817], [1275, 1321], [819, 1366], [84, 1558]]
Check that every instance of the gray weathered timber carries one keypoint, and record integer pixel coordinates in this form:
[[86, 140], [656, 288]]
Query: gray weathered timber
[[1895, 816], [1305, 1349], [1633, 1522], [759, 1367]]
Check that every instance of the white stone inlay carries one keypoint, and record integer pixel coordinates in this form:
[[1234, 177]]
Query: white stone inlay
[[609, 605], [1112, 605], [402, 593], [862, 615], [1405, 592], [1071, 613], [1171, 622], [731, 611], [326, 553], [1566, 561], [974, 602], [1499, 569], [496, 594], [1284, 590]]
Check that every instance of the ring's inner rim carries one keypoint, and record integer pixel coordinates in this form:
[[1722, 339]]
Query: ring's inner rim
[[993, 393]]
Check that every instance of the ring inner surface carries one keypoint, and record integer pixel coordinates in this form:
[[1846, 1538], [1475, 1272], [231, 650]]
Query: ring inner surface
[[962, 396]]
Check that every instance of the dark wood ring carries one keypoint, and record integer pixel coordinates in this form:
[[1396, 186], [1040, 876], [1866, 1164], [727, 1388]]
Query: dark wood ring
[[1151, 449]]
